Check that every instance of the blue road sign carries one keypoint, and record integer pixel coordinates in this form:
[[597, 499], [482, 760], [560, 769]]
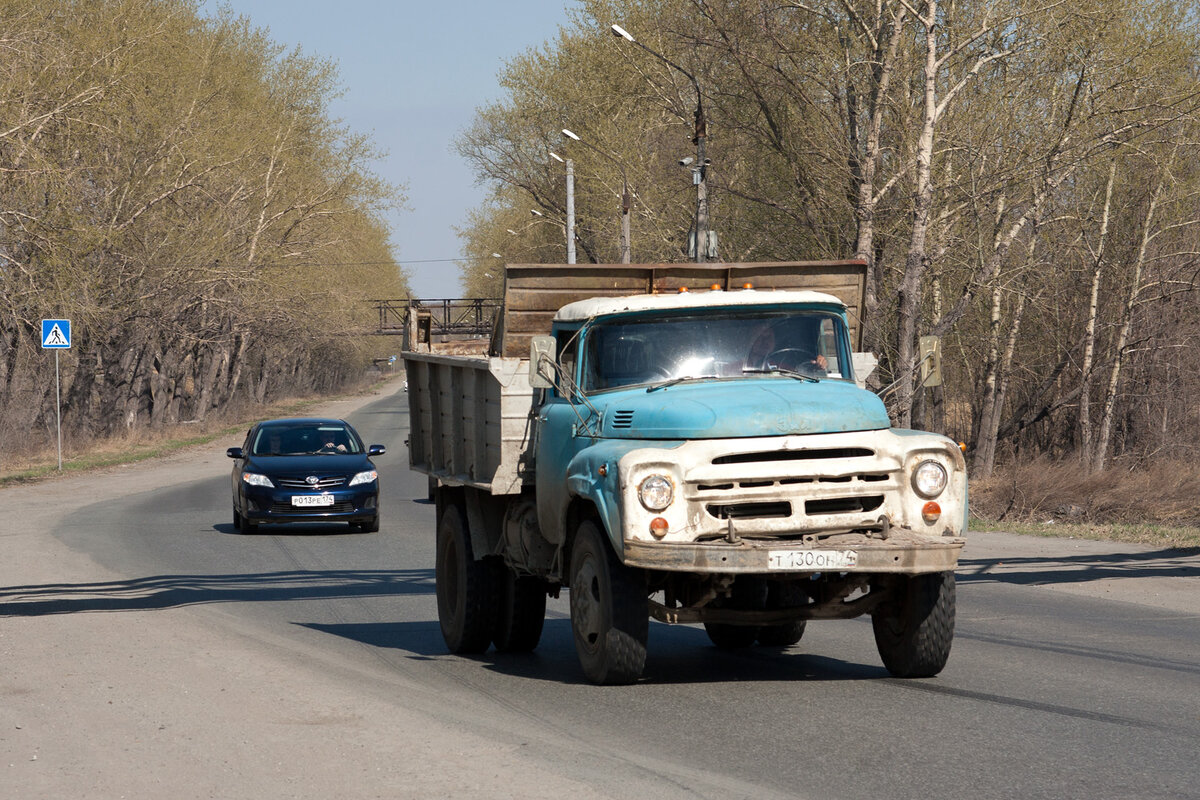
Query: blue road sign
[[56, 334]]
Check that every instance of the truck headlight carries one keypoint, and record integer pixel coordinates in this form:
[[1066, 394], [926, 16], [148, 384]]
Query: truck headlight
[[656, 492], [929, 479]]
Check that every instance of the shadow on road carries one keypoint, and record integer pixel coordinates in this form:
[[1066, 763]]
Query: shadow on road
[[676, 655], [173, 591], [1042, 570]]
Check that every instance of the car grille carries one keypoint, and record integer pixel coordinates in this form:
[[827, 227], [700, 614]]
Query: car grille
[[302, 483], [288, 508]]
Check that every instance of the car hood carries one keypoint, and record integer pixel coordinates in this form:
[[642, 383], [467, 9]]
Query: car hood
[[772, 406], [309, 465]]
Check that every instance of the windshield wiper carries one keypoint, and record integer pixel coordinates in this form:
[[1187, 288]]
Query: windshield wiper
[[791, 373], [680, 379]]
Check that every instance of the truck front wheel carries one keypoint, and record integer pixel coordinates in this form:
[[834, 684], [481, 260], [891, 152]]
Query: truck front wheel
[[914, 630], [465, 587], [608, 611]]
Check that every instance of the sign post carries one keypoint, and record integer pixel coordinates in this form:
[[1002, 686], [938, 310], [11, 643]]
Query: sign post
[[56, 335]]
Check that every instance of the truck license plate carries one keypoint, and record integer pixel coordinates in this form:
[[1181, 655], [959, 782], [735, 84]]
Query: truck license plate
[[310, 500], [812, 559]]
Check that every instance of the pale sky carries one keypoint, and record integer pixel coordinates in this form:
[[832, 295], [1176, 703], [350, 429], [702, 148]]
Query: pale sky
[[414, 71]]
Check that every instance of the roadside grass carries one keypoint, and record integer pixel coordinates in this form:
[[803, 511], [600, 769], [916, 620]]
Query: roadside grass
[[1150, 503], [147, 444], [1160, 536]]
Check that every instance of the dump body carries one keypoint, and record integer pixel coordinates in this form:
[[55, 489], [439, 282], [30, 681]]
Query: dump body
[[755, 486]]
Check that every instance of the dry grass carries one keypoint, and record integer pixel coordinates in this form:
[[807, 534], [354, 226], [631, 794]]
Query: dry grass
[[144, 444], [1150, 503]]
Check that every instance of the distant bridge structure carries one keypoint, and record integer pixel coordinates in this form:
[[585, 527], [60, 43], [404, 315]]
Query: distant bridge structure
[[422, 321]]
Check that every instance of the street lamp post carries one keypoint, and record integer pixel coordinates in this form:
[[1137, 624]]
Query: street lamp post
[[701, 168], [625, 199], [570, 205]]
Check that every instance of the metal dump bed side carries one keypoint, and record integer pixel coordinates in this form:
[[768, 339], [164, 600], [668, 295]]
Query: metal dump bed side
[[470, 419]]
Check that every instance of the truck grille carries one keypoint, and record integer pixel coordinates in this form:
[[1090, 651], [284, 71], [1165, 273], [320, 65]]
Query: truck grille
[[786, 494]]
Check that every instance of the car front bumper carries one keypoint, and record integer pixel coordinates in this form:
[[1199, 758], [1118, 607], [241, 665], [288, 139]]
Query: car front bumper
[[265, 505]]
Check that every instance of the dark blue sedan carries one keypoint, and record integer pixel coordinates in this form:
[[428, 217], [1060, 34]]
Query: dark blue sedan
[[305, 470]]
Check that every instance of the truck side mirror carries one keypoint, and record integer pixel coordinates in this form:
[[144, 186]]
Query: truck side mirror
[[864, 365], [931, 360], [541, 362]]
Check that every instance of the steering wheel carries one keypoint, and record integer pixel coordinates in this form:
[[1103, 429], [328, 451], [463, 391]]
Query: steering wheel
[[797, 359]]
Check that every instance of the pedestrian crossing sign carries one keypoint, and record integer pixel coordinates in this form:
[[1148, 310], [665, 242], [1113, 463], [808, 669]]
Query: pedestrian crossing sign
[[56, 334]]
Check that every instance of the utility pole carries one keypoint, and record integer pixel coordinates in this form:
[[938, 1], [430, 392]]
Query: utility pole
[[626, 200], [570, 204], [700, 170]]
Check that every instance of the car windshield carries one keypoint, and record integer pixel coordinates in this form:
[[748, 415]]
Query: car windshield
[[304, 439], [735, 344]]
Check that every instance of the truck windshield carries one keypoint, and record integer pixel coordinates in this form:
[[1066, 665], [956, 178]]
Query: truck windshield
[[733, 344]]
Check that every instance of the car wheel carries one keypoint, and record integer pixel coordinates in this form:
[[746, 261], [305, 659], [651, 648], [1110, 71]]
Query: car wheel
[[465, 589], [237, 519], [608, 610], [522, 611], [914, 630], [368, 527]]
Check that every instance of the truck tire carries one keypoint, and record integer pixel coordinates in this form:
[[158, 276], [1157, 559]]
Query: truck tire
[[914, 631], [731, 637], [749, 594], [522, 611], [609, 618], [465, 588], [783, 635]]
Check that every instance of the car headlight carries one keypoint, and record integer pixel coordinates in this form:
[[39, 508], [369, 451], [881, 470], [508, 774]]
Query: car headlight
[[364, 477], [656, 492], [929, 479], [254, 479]]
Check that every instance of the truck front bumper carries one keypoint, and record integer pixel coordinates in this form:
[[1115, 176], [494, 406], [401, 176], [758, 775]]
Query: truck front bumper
[[902, 552]]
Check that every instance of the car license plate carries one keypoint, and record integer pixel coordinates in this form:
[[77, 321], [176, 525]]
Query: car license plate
[[812, 559], [311, 500]]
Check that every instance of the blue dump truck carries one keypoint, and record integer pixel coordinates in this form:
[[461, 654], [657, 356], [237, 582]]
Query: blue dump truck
[[691, 443]]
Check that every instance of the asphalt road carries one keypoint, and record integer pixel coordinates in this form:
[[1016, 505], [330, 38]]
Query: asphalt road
[[1057, 686]]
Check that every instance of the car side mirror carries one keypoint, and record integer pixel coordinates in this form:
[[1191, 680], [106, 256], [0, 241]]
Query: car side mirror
[[541, 362], [235, 452], [376, 450]]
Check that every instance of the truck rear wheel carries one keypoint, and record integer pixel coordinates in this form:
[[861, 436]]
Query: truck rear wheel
[[749, 593], [914, 631], [465, 587], [731, 637], [783, 635], [609, 618], [522, 612]]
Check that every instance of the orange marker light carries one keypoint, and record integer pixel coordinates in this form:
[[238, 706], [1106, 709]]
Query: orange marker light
[[682, 289], [747, 285], [716, 287], [658, 527], [930, 512]]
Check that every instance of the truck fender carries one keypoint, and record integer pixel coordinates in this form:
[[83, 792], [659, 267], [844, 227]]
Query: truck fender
[[584, 487]]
